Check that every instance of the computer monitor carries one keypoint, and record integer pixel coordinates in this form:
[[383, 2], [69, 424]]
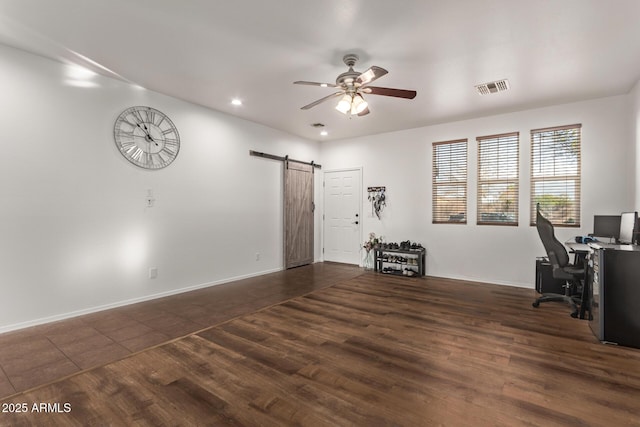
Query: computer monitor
[[628, 222], [606, 226]]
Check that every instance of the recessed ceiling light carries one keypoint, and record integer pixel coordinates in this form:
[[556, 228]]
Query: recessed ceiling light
[[324, 133], [236, 101]]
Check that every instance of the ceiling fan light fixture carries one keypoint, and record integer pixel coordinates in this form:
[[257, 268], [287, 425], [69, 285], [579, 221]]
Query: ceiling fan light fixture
[[358, 104], [344, 105], [367, 76], [352, 84]]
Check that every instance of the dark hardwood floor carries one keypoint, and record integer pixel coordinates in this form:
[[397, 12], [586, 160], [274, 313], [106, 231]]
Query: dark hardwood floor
[[38, 355], [337, 347]]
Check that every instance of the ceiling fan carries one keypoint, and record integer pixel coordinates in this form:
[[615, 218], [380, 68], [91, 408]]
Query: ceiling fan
[[352, 85]]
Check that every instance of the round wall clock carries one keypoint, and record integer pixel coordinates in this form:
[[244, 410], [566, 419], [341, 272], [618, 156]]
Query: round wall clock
[[146, 137]]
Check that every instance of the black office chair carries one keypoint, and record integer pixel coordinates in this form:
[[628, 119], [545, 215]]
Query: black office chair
[[562, 269]]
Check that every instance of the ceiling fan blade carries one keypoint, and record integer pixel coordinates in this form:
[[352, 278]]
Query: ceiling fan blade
[[321, 100], [300, 82], [370, 75], [386, 91], [364, 112]]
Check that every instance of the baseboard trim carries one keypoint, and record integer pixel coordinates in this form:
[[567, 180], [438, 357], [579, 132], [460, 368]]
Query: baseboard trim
[[63, 316], [479, 280]]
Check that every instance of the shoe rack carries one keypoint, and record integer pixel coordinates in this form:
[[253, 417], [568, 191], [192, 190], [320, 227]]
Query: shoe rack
[[405, 259]]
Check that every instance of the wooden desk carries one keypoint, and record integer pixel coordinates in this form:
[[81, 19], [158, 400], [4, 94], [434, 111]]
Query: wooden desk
[[577, 248]]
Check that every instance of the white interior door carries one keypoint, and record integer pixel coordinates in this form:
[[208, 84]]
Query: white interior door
[[342, 216]]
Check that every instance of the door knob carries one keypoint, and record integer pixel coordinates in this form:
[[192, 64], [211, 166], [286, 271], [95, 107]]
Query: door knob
[[356, 222]]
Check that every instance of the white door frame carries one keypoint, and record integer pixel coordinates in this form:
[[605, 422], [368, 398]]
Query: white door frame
[[358, 169]]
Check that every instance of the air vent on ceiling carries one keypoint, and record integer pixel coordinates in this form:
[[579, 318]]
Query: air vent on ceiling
[[493, 87]]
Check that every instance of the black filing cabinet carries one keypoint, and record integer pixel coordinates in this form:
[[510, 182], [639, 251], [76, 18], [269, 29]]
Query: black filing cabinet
[[614, 276], [545, 283]]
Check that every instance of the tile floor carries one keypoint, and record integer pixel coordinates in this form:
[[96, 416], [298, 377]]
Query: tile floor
[[38, 355]]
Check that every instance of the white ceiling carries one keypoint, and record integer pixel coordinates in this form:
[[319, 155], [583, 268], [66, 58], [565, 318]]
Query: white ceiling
[[210, 51]]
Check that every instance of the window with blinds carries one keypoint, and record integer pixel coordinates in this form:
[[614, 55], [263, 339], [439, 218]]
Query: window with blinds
[[498, 179], [555, 174], [450, 182]]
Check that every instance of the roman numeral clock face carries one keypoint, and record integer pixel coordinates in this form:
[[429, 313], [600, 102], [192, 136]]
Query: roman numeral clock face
[[146, 137]]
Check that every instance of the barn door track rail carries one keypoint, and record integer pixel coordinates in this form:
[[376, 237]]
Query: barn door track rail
[[285, 158]]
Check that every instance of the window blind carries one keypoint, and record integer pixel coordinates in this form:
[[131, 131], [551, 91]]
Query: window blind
[[498, 175], [555, 174], [450, 182]]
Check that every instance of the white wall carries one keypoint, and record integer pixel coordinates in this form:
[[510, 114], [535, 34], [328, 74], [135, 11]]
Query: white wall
[[76, 234], [635, 125], [401, 161]]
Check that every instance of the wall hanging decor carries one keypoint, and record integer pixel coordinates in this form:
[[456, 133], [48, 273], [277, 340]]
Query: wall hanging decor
[[146, 137], [377, 199]]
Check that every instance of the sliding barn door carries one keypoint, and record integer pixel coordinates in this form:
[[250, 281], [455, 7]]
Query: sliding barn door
[[298, 214]]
